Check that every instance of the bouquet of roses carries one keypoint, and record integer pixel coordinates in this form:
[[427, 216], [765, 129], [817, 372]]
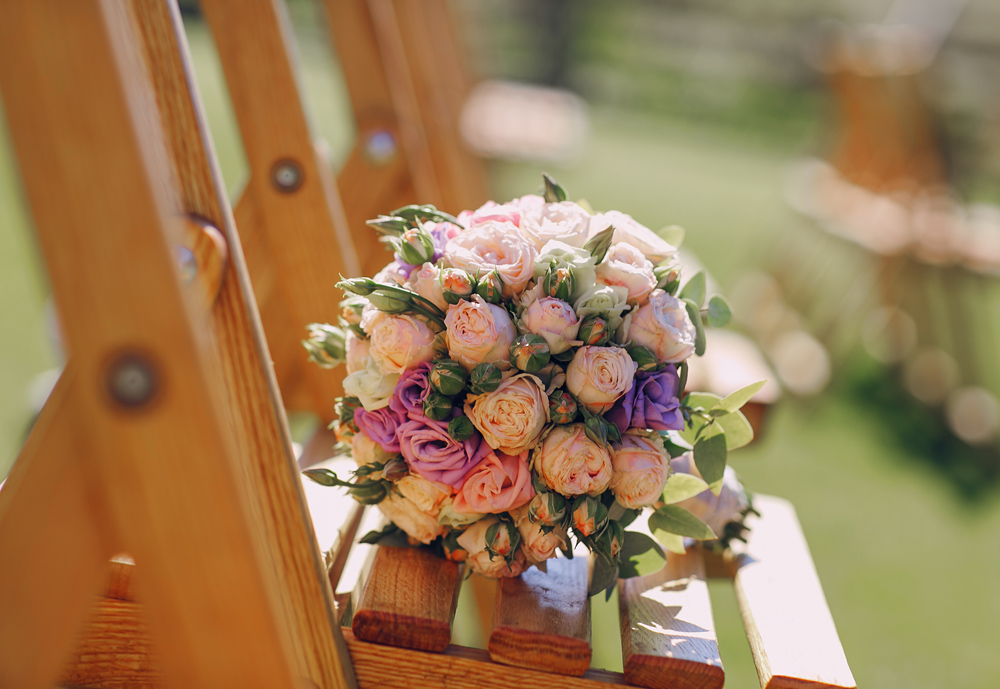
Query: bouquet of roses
[[516, 380]]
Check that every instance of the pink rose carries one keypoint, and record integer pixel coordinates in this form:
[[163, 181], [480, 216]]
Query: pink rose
[[499, 483], [640, 469], [507, 212], [597, 376], [627, 267], [570, 463], [399, 343], [432, 453], [663, 325], [404, 513], [564, 222], [494, 245], [512, 417], [553, 319], [473, 540], [479, 333], [392, 274], [358, 350], [629, 231], [424, 281]]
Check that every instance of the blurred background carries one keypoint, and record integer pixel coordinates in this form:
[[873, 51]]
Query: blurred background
[[836, 165]]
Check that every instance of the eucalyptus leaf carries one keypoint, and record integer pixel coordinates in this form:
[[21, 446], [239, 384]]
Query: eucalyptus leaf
[[681, 487], [735, 400], [603, 578], [719, 312], [640, 555], [710, 458], [737, 429], [677, 520], [694, 289], [671, 542], [694, 313], [672, 235]]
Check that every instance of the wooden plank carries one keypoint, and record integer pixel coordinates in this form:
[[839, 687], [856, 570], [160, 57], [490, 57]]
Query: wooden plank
[[668, 635], [542, 620], [792, 635], [408, 599], [115, 651]]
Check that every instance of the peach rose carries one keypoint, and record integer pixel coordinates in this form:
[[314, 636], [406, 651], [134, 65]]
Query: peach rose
[[358, 350], [404, 513], [370, 317], [366, 451], [663, 325], [499, 483], [473, 540], [513, 416], [479, 333], [428, 496], [537, 545], [424, 281], [570, 463], [626, 266], [399, 343], [640, 469], [597, 376], [494, 245], [553, 319], [629, 231], [565, 222]]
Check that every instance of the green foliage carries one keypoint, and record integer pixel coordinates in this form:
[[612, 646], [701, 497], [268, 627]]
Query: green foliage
[[719, 312], [694, 289], [677, 520]]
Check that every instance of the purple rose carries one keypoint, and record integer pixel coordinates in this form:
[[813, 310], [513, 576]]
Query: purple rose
[[434, 455], [380, 425], [411, 391], [651, 403]]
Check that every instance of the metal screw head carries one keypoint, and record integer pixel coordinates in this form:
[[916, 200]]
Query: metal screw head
[[286, 175], [131, 380], [188, 266], [380, 146]]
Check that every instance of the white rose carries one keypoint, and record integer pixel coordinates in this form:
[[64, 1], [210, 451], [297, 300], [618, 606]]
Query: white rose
[[405, 514], [663, 325], [607, 301], [399, 343], [597, 376], [557, 255], [370, 317], [424, 281], [714, 510], [370, 385], [629, 231], [358, 351], [554, 320], [565, 222], [626, 266], [494, 245], [479, 333]]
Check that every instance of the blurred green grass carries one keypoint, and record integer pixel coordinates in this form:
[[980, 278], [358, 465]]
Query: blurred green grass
[[909, 572]]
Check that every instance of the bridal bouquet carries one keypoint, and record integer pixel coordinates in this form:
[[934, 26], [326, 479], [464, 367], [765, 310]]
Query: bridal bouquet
[[516, 380]]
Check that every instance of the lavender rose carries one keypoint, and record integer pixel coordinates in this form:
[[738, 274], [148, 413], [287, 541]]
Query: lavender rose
[[433, 454], [650, 403], [380, 425], [411, 391]]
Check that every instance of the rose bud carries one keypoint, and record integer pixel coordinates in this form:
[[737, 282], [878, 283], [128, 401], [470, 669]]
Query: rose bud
[[350, 310], [502, 539], [389, 225], [460, 428], [484, 378], [391, 302], [611, 540], [345, 408], [594, 331], [559, 283], [415, 246], [456, 285], [547, 508], [360, 286], [326, 345], [452, 550], [530, 353], [437, 406], [644, 358], [448, 377], [589, 516], [667, 277], [562, 407], [490, 287], [395, 469]]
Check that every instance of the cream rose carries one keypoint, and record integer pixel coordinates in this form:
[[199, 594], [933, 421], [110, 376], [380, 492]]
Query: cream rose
[[358, 351], [405, 514], [494, 245], [424, 281], [564, 222], [714, 510], [640, 469], [555, 255], [553, 319], [597, 376], [607, 301], [479, 333], [627, 267], [570, 463], [663, 325], [370, 385], [629, 231], [473, 540], [370, 317], [428, 496], [512, 417], [399, 343], [366, 451]]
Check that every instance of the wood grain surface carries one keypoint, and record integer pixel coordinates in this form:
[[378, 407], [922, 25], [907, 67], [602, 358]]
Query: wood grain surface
[[542, 620], [668, 635]]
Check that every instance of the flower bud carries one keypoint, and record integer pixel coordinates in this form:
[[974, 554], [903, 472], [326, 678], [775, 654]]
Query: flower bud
[[490, 287], [547, 507], [369, 492], [601, 431], [666, 276], [360, 286], [460, 428], [644, 358], [395, 469], [350, 310], [594, 331], [456, 285], [502, 539], [415, 246], [589, 516], [345, 409], [452, 550], [326, 345], [391, 301], [344, 432], [562, 407], [559, 283], [437, 406], [484, 378], [612, 539], [530, 353], [448, 377], [388, 225]]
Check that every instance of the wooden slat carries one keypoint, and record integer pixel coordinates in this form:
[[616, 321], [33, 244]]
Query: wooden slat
[[668, 635], [792, 635], [542, 620], [408, 599], [115, 651]]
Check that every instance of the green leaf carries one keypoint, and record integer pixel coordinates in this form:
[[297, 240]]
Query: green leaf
[[694, 289], [672, 235], [735, 400], [737, 429], [604, 578], [554, 193], [671, 541], [694, 313], [380, 536], [640, 555], [719, 312], [681, 487], [710, 458], [677, 520]]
